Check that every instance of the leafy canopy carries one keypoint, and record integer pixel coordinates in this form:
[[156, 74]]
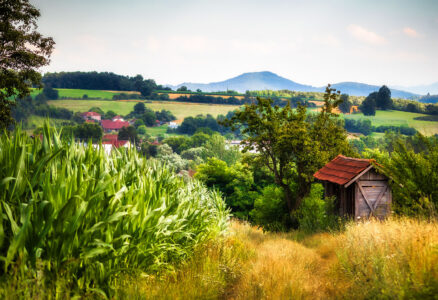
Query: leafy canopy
[[22, 51]]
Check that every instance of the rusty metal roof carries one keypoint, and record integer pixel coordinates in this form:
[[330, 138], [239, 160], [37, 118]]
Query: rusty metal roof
[[342, 169]]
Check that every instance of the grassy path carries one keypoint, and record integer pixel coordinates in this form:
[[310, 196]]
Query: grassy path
[[392, 259]]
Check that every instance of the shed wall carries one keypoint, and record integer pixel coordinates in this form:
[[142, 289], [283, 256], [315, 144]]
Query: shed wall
[[372, 196]]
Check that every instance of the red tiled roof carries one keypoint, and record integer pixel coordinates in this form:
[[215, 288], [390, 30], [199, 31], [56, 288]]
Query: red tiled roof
[[342, 169], [90, 113], [108, 124]]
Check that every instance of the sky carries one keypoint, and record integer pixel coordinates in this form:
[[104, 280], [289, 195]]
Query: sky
[[393, 42]]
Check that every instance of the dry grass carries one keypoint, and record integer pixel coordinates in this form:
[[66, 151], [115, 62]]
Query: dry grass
[[393, 259], [397, 258]]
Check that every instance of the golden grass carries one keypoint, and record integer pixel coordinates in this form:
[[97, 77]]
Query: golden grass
[[397, 258]]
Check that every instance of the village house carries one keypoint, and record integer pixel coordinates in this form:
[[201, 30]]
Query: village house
[[91, 115], [361, 191], [118, 118], [109, 125]]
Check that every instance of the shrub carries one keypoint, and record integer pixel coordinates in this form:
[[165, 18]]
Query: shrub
[[316, 213], [270, 211]]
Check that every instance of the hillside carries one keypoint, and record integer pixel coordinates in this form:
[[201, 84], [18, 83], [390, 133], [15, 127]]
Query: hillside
[[269, 81]]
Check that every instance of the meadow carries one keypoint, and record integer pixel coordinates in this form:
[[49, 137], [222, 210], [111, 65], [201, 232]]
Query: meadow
[[397, 258], [399, 118], [79, 93], [179, 109]]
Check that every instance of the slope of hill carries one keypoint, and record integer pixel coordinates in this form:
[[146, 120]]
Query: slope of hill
[[250, 81], [422, 89], [270, 81]]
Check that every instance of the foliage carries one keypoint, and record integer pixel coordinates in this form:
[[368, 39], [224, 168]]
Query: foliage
[[128, 134], [368, 106], [99, 81], [270, 211], [142, 129], [234, 182], [415, 174], [74, 212], [291, 144], [87, 131], [50, 93], [383, 98], [316, 213], [23, 51], [359, 126], [346, 104], [109, 115]]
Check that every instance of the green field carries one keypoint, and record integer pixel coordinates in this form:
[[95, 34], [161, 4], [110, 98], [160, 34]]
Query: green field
[[179, 109], [397, 118], [79, 93]]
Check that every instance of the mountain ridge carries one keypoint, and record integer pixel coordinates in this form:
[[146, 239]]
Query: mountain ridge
[[266, 80]]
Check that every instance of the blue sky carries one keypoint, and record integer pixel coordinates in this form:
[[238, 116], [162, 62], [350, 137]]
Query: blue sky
[[311, 42]]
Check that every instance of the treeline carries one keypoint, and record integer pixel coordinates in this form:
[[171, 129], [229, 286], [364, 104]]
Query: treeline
[[207, 123], [100, 81], [365, 127]]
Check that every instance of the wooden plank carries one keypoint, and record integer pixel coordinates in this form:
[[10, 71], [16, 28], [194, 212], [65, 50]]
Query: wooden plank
[[373, 183], [356, 198], [380, 197], [365, 197], [358, 176]]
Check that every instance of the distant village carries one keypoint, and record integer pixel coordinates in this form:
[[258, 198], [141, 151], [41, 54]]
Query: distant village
[[110, 139]]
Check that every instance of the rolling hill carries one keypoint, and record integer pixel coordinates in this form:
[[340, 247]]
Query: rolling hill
[[270, 81]]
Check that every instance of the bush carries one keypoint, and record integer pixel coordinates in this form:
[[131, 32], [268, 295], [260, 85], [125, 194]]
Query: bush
[[316, 213], [270, 211]]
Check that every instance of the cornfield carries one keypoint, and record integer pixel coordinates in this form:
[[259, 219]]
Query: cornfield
[[70, 209]]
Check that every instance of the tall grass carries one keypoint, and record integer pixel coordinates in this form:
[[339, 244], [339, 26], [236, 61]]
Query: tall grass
[[72, 211], [395, 259]]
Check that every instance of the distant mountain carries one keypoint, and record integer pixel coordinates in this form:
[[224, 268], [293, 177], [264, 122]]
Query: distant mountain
[[422, 89], [256, 81], [362, 89]]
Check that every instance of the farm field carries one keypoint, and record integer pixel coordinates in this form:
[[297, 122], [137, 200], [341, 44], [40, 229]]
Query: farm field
[[392, 117], [79, 93], [181, 110]]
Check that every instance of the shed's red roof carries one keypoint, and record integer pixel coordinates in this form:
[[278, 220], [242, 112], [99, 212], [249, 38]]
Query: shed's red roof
[[342, 169], [108, 124]]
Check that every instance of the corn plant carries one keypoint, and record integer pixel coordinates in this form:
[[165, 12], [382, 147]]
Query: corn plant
[[71, 209]]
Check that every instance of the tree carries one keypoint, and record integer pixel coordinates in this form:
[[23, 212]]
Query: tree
[[22, 51], [182, 89], [292, 145], [88, 131], [346, 104], [128, 134], [149, 118], [110, 114], [368, 106], [139, 108], [146, 87], [50, 93], [383, 98]]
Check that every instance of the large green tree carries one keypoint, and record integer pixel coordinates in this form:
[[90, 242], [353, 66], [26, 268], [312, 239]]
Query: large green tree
[[23, 50], [368, 106], [290, 143], [346, 104], [383, 98]]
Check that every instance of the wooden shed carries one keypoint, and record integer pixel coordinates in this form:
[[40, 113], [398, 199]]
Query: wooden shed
[[361, 191]]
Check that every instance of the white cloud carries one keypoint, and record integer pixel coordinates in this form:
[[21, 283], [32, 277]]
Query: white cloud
[[410, 32], [364, 35]]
